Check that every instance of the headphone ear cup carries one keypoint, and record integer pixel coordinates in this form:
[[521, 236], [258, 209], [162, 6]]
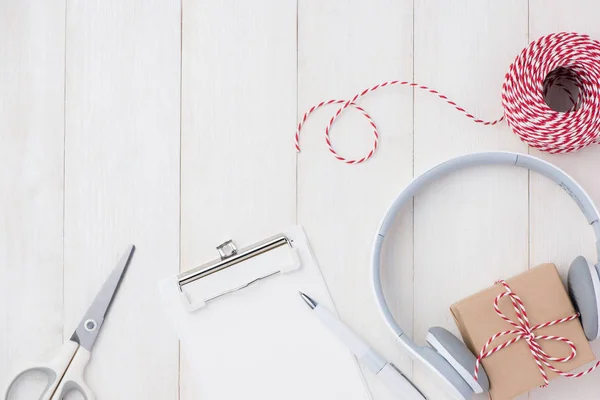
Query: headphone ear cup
[[583, 283], [462, 360], [446, 372]]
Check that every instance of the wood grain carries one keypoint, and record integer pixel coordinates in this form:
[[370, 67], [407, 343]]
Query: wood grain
[[122, 185], [238, 117], [344, 48], [32, 36], [177, 134]]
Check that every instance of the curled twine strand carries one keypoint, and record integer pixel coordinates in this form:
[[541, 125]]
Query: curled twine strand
[[524, 331], [547, 62]]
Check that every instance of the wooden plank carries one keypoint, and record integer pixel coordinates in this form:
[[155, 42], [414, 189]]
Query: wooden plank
[[238, 117], [122, 185], [32, 36], [472, 227], [343, 50], [559, 232]]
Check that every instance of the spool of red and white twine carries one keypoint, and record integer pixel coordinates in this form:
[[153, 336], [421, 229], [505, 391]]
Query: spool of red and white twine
[[568, 61], [524, 331]]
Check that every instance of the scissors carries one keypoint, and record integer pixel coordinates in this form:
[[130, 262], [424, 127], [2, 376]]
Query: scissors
[[65, 373]]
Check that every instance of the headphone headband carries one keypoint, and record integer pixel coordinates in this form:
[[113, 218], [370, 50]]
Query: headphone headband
[[575, 191]]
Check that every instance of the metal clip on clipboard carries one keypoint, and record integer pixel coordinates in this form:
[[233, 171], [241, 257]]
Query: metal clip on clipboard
[[230, 256]]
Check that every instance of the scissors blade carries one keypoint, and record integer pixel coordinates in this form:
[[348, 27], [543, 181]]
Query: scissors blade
[[89, 327]]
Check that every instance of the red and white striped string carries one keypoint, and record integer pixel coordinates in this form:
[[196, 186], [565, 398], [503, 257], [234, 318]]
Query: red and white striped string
[[550, 60], [524, 331]]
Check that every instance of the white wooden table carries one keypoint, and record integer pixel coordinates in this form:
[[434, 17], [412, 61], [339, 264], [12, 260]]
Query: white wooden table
[[171, 126]]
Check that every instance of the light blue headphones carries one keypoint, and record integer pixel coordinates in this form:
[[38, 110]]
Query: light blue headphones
[[446, 354]]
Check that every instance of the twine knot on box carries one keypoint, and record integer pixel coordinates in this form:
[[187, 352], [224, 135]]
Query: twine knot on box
[[524, 331]]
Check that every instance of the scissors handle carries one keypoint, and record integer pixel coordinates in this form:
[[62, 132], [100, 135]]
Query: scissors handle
[[65, 374]]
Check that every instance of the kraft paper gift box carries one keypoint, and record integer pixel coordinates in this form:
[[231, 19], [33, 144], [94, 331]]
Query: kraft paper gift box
[[513, 371]]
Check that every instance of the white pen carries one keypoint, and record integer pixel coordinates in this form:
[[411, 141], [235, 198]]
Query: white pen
[[386, 371]]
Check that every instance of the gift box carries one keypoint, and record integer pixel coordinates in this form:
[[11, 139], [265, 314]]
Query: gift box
[[513, 369]]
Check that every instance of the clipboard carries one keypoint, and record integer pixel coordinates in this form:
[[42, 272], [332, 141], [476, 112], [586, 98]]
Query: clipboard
[[247, 334]]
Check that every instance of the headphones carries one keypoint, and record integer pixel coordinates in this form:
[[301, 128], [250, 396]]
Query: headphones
[[446, 354]]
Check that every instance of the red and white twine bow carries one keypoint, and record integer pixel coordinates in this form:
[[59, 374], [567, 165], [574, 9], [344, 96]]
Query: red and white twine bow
[[548, 61], [524, 331]]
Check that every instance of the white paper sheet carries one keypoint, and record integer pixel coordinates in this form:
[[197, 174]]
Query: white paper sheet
[[263, 342]]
